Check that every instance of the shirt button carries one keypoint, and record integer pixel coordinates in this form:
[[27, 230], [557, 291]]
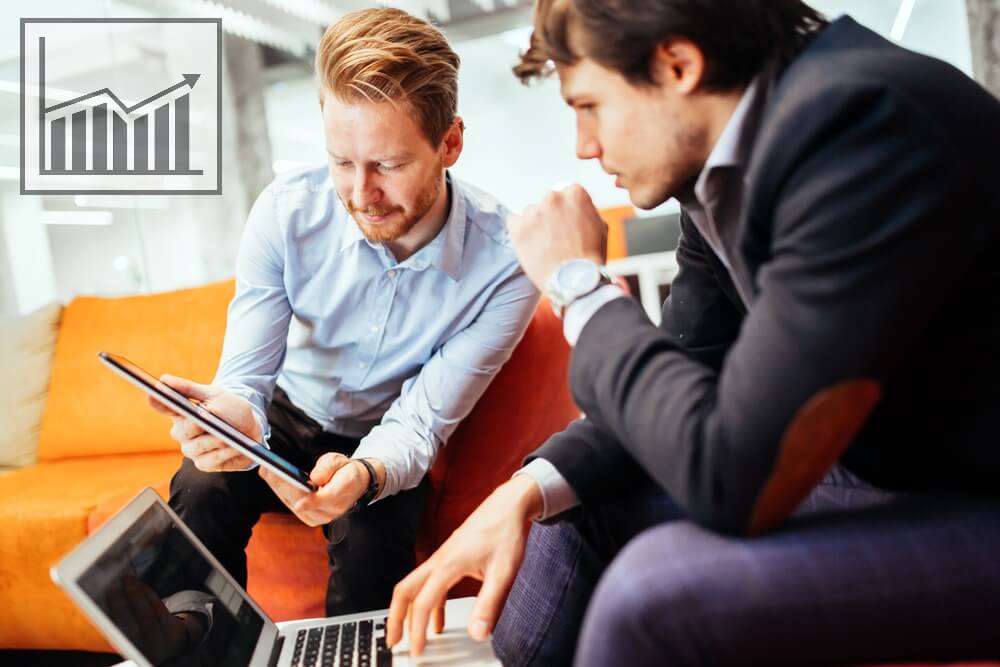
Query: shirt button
[[391, 273], [374, 328], [362, 365]]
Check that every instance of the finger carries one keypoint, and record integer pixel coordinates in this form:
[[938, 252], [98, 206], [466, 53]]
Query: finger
[[340, 493], [286, 493], [431, 596], [159, 407], [489, 603], [402, 597], [199, 392], [214, 460], [201, 445], [438, 617], [185, 429], [316, 509], [236, 464], [327, 464]]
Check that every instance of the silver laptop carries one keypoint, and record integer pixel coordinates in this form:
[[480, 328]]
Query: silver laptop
[[161, 598]]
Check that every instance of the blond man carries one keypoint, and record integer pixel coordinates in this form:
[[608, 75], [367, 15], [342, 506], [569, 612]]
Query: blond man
[[403, 296]]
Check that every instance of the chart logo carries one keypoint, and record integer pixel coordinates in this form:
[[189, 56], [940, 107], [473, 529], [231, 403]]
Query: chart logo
[[121, 106]]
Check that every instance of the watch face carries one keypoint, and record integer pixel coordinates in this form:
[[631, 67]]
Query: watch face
[[578, 277]]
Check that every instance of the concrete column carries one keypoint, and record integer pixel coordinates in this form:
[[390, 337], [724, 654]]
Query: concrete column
[[245, 64], [984, 32], [28, 256]]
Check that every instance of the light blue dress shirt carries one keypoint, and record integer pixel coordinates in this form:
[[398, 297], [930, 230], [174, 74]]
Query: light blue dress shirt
[[394, 353]]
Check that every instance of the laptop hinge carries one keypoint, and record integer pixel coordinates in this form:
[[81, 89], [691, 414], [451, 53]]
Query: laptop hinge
[[276, 650]]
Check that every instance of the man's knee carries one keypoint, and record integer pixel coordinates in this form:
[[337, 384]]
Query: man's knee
[[191, 488], [226, 498], [546, 603], [659, 598]]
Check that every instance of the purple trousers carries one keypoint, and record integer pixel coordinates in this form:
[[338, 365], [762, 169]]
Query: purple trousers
[[858, 576]]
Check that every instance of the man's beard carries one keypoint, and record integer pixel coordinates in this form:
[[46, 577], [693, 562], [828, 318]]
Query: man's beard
[[405, 220], [686, 144]]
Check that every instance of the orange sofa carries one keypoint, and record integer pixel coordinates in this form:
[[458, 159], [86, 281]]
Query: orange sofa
[[99, 444]]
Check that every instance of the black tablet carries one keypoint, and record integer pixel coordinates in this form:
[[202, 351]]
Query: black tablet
[[213, 424]]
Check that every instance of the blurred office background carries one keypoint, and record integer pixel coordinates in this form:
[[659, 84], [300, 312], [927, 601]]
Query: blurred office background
[[519, 142]]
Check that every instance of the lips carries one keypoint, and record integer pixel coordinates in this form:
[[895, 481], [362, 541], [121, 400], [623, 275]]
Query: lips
[[375, 216]]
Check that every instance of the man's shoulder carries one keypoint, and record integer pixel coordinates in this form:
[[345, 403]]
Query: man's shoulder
[[302, 199], [847, 60], [304, 180], [850, 81], [486, 217]]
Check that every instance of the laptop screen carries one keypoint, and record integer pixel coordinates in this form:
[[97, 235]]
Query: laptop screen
[[169, 600]]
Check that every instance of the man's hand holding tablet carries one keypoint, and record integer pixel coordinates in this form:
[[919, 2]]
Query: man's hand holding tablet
[[207, 452]]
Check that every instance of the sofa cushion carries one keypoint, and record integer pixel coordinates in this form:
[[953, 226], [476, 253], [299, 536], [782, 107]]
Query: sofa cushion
[[27, 344], [44, 511], [90, 410]]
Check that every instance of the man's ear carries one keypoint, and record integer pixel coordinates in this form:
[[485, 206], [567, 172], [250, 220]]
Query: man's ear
[[454, 140], [678, 64]]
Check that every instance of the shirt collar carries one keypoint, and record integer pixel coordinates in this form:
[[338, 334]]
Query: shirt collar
[[735, 143], [444, 252], [352, 233]]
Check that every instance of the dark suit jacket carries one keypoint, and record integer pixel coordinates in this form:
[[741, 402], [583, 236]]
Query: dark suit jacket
[[871, 238]]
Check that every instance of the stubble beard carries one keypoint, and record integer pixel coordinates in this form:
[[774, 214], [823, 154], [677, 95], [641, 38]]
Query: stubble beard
[[406, 220]]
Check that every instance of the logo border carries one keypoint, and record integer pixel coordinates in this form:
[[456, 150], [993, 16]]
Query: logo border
[[218, 93]]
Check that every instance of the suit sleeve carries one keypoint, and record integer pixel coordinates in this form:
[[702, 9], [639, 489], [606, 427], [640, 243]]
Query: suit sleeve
[[702, 318], [845, 295]]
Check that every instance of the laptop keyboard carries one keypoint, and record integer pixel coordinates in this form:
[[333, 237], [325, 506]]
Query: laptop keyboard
[[353, 644]]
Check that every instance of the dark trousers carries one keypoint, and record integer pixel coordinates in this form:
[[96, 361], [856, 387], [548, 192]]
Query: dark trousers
[[371, 549], [858, 576]]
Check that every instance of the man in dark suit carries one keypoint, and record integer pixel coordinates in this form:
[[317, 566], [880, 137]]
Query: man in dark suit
[[803, 457]]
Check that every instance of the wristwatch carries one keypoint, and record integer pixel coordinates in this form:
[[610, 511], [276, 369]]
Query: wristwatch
[[573, 279], [371, 491]]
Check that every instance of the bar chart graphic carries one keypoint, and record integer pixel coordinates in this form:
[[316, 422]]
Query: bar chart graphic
[[105, 141]]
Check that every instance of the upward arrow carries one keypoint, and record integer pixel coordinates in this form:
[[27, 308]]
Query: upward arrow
[[189, 80]]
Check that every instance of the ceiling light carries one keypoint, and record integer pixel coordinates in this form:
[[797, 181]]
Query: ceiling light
[[902, 19], [92, 218]]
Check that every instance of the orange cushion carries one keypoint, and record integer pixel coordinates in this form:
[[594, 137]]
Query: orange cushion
[[287, 568], [44, 511], [91, 411]]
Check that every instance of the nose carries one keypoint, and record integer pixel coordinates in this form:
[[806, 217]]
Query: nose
[[587, 147], [366, 189]]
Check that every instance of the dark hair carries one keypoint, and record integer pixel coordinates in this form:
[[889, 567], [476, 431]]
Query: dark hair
[[737, 37]]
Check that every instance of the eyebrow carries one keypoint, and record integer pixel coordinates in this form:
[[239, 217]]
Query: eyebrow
[[401, 157]]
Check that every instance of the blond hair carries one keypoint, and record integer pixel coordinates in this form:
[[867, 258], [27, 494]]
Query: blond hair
[[387, 55]]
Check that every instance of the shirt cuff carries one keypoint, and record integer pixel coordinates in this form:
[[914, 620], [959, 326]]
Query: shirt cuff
[[580, 311], [557, 495], [403, 469]]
